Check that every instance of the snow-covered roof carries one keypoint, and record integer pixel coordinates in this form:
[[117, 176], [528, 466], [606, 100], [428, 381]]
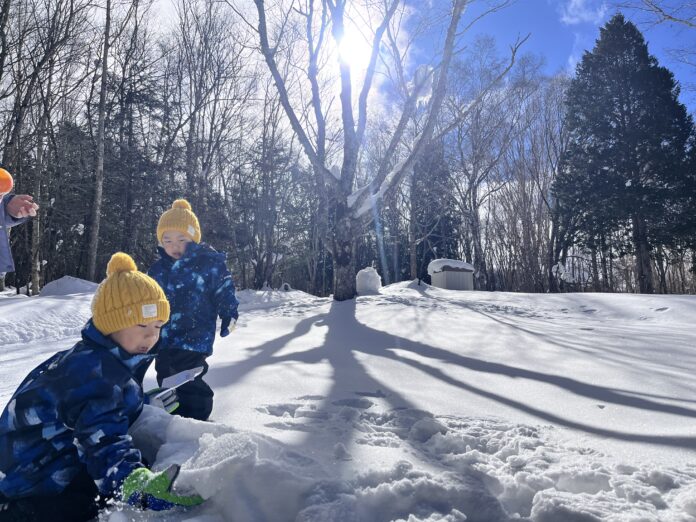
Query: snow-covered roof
[[443, 265]]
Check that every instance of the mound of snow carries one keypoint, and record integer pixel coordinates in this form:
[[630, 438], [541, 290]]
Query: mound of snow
[[68, 285], [44, 319], [11, 293], [368, 282], [484, 470], [267, 299], [232, 470]]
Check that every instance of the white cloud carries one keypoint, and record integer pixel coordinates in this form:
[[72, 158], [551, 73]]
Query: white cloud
[[581, 43], [583, 11]]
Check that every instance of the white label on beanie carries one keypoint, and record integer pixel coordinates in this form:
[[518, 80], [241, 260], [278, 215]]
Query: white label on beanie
[[149, 310], [191, 230]]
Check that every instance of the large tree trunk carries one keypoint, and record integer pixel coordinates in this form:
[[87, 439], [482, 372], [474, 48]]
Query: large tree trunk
[[595, 270], [643, 266], [552, 256], [4, 48], [662, 270], [605, 271], [343, 252], [412, 240], [36, 222], [481, 273], [99, 170]]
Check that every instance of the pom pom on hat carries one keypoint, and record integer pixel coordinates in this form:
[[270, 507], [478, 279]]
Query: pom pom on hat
[[127, 297], [120, 262], [179, 218], [182, 203]]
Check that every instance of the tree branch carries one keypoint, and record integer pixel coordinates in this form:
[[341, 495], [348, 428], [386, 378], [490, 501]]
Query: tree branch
[[269, 56]]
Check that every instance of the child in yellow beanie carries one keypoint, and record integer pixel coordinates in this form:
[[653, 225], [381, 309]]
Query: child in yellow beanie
[[200, 289], [64, 443]]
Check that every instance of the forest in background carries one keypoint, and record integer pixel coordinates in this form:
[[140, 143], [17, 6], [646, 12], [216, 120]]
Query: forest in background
[[542, 183]]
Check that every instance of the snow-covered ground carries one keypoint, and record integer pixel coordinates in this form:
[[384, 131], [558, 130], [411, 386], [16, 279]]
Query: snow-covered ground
[[420, 404]]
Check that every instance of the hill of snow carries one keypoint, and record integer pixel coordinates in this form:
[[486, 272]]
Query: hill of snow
[[421, 404]]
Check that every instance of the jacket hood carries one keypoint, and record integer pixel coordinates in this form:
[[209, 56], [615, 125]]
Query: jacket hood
[[92, 336], [192, 250]]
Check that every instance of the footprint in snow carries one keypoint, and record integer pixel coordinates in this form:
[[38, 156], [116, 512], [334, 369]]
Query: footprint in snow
[[279, 410], [297, 458], [663, 309], [379, 394], [311, 398], [362, 404], [291, 426]]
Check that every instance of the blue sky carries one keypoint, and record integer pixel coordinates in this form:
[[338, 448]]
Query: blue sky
[[561, 30]]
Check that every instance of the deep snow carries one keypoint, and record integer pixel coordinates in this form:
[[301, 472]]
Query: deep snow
[[421, 404]]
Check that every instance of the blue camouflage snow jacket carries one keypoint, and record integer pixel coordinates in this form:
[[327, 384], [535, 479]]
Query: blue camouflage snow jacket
[[73, 410], [199, 288]]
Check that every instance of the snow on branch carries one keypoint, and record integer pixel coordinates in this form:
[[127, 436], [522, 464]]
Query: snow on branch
[[371, 200]]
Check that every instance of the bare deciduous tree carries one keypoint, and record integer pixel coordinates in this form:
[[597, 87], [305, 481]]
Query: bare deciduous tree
[[349, 209]]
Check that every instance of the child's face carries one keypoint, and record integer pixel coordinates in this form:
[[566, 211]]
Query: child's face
[[174, 243], [139, 338]]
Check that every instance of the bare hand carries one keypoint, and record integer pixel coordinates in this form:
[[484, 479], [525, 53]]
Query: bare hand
[[22, 206]]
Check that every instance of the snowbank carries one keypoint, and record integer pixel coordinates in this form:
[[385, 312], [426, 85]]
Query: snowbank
[[68, 285], [44, 319]]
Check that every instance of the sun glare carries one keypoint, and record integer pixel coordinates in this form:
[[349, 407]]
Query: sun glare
[[354, 50]]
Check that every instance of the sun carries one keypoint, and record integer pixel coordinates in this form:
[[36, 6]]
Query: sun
[[354, 50]]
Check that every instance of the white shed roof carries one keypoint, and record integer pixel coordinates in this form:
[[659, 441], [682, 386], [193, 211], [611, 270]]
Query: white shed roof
[[441, 265]]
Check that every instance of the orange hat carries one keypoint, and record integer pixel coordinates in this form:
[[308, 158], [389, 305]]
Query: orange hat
[[6, 182]]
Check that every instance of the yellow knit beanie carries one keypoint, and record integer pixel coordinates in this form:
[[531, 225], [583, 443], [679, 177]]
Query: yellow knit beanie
[[181, 219], [127, 297]]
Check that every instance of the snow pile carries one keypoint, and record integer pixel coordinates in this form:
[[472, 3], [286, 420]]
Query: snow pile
[[60, 317], [368, 282], [68, 285], [453, 468], [438, 265], [11, 293], [233, 470]]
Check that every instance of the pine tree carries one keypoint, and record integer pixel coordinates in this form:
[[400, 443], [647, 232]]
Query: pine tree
[[626, 167]]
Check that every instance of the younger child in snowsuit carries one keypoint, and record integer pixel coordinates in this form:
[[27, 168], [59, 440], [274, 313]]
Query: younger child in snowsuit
[[64, 443], [199, 288]]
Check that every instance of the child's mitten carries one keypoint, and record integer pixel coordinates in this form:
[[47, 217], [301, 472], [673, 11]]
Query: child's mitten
[[148, 490], [225, 326]]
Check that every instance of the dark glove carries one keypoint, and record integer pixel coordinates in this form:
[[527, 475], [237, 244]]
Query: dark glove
[[225, 326], [148, 490], [167, 400]]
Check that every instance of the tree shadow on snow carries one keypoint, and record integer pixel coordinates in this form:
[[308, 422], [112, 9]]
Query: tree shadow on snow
[[564, 339], [347, 339]]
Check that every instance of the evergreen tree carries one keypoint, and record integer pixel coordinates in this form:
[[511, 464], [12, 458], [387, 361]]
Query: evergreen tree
[[626, 167]]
